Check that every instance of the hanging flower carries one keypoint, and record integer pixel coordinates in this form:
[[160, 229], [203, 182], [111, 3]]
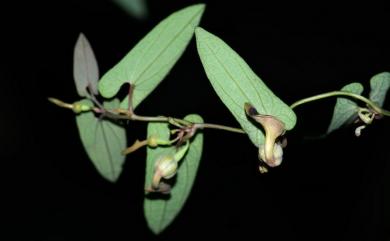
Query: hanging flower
[[271, 151]]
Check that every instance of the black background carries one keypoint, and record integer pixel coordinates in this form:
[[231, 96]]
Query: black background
[[335, 188]]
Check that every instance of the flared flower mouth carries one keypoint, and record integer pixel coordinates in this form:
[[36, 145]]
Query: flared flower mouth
[[271, 152]]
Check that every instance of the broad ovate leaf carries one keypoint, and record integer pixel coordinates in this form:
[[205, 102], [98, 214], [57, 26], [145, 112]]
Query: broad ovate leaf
[[345, 108], [379, 84], [160, 212], [103, 141], [146, 65], [85, 68], [236, 84], [136, 8]]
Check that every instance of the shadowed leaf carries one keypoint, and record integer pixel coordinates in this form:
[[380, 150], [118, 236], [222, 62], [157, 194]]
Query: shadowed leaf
[[380, 84], [135, 8], [103, 141], [85, 68], [345, 108]]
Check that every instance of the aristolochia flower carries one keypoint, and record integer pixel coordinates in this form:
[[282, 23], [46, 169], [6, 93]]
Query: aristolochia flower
[[271, 152], [165, 167]]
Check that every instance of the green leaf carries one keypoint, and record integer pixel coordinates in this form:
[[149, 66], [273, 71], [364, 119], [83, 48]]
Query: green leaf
[[380, 84], [103, 141], [85, 68], [135, 8], [236, 83], [146, 65], [159, 213], [345, 108]]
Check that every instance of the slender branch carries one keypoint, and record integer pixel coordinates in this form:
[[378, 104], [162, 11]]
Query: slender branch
[[123, 114], [135, 117], [369, 103], [60, 103], [219, 127], [385, 112], [130, 115]]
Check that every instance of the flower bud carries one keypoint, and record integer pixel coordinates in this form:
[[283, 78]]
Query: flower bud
[[166, 166], [366, 115], [277, 155], [358, 130], [152, 141], [78, 107]]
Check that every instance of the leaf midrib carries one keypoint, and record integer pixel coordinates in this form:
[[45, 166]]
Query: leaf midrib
[[228, 73]]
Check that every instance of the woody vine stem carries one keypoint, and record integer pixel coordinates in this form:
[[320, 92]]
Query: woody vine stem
[[130, 115], [368, 102]]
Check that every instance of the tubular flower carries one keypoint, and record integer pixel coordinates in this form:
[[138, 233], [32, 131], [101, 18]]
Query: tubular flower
[[165, 167], [271, 152]]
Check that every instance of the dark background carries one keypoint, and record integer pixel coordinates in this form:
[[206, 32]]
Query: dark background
[[335, 188]]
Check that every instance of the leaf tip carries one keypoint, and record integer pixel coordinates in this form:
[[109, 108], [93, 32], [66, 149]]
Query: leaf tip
[[202, 7], [201, 35], [81, 36], [198, 7], [199, 31], [85, 67], [81, 41]]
